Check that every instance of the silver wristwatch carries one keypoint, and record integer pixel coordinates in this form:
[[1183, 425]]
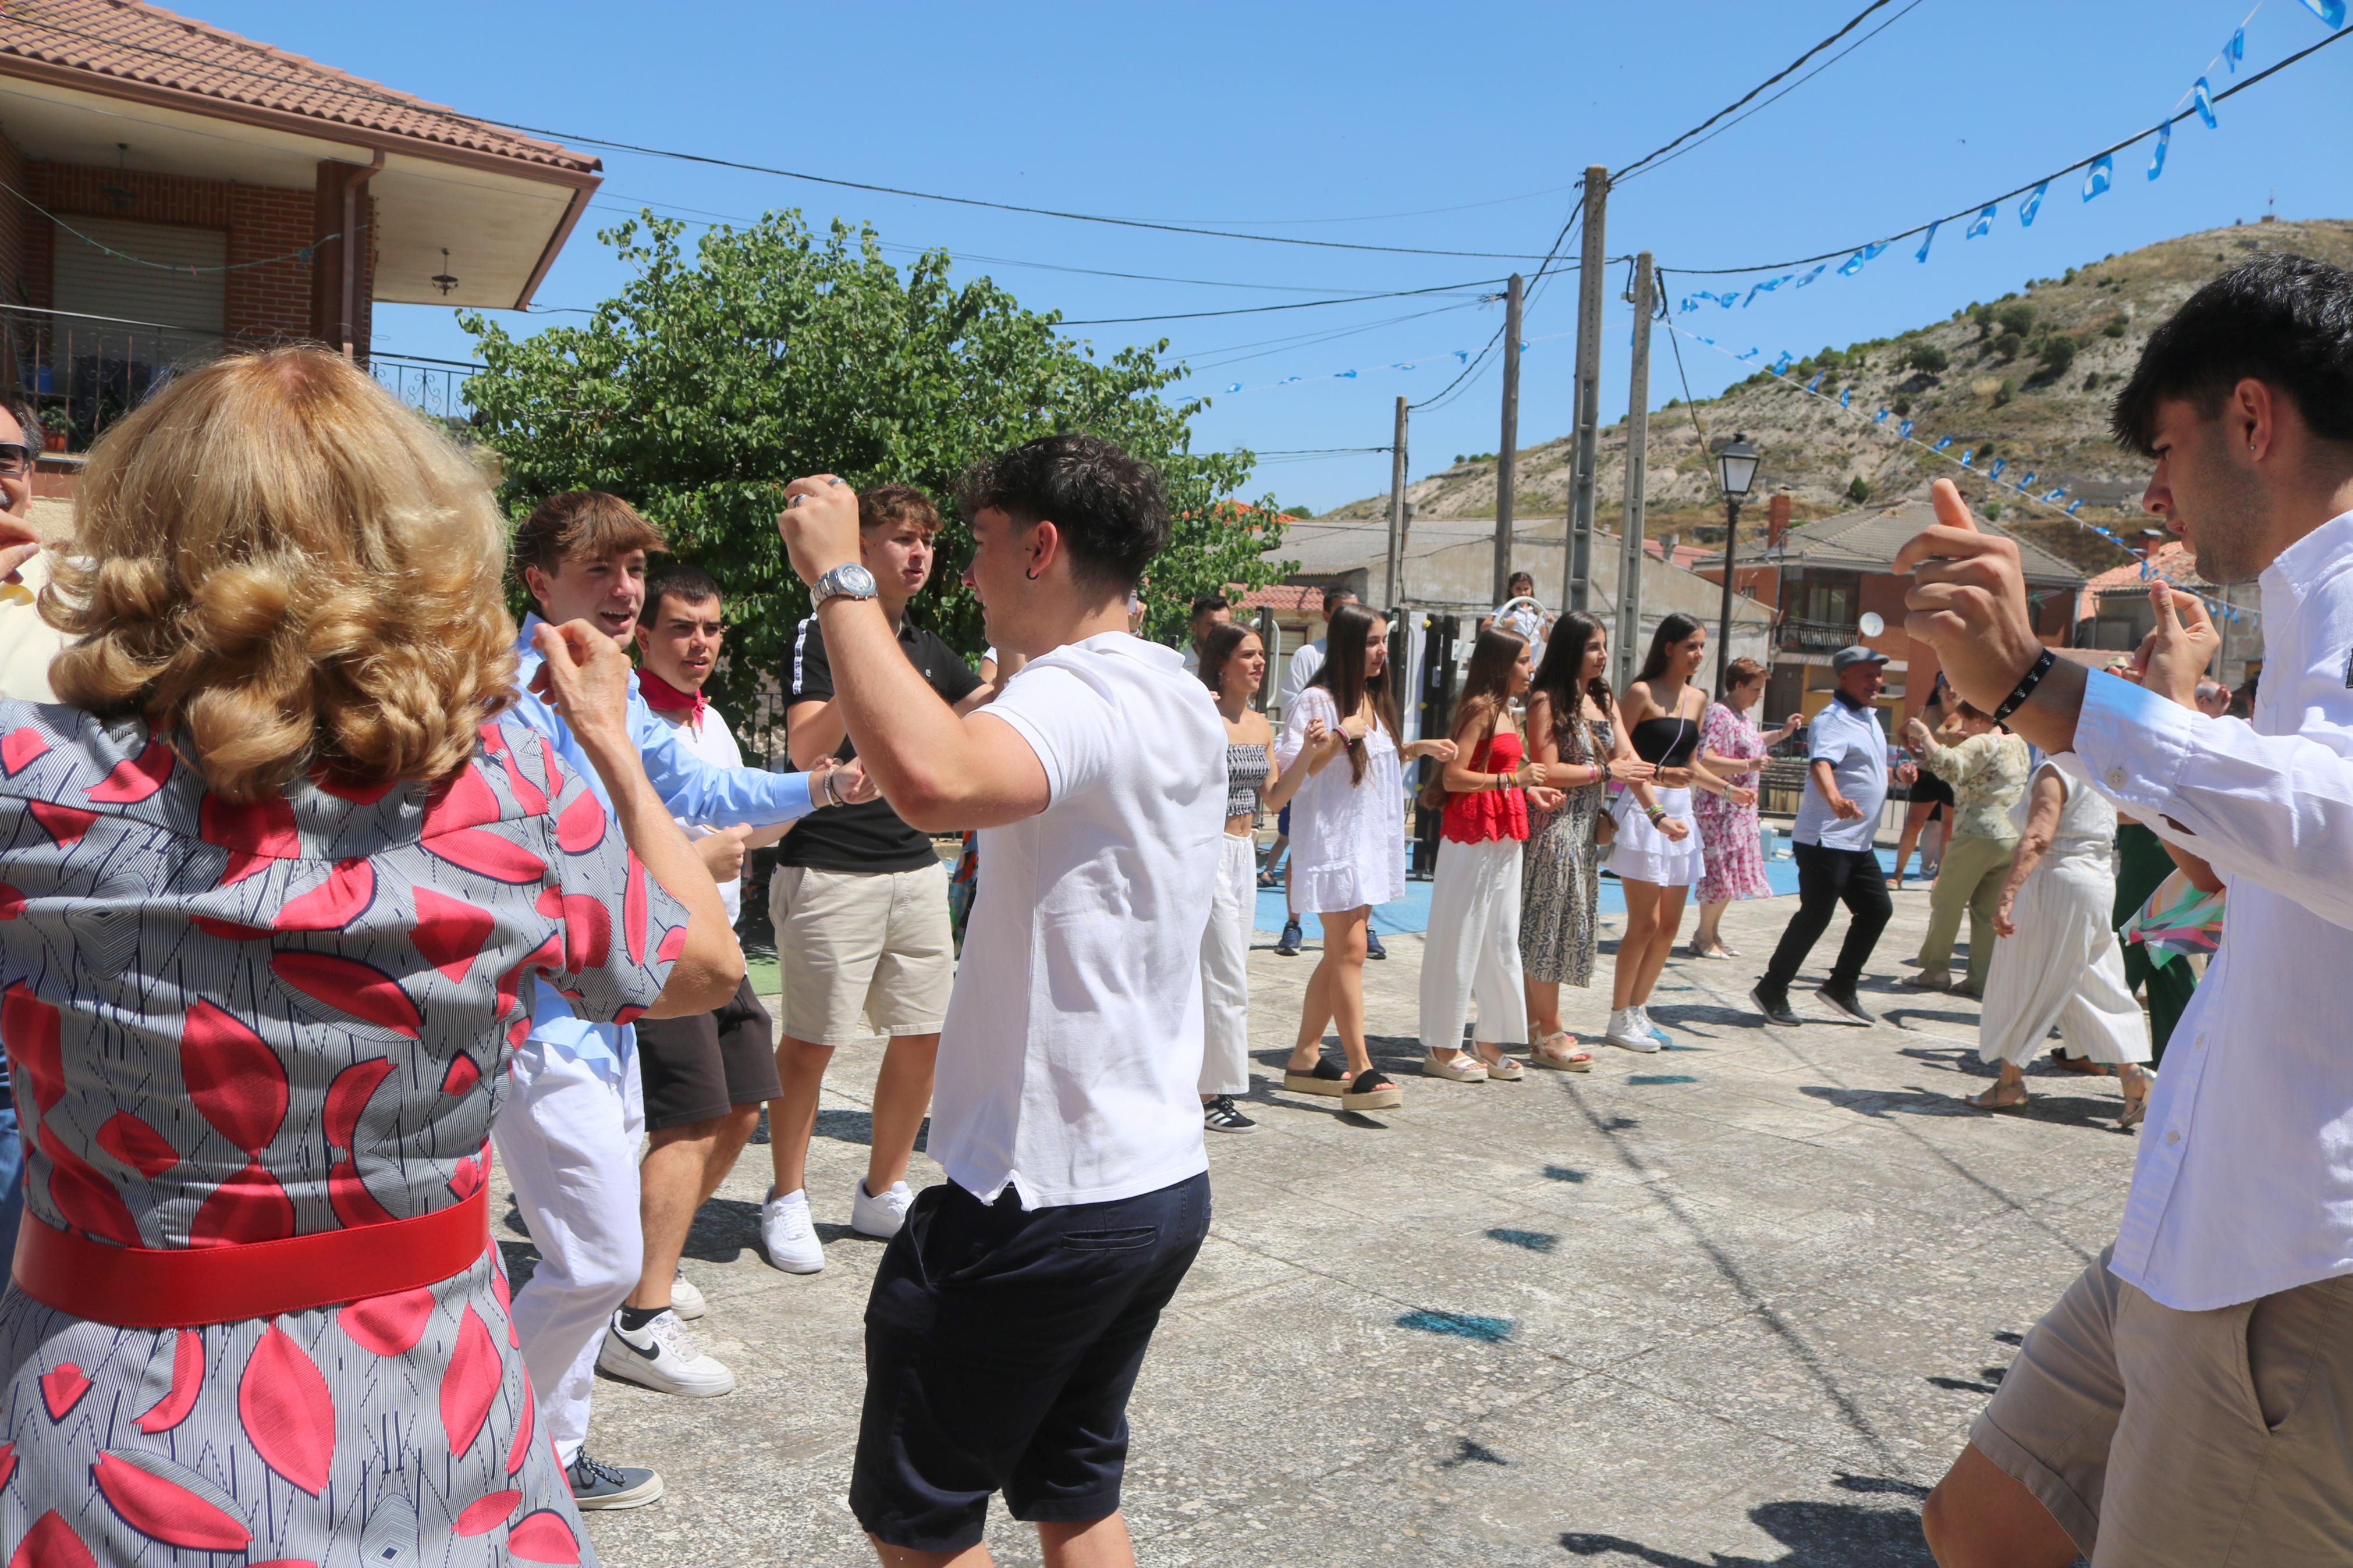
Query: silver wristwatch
[[847, 580]]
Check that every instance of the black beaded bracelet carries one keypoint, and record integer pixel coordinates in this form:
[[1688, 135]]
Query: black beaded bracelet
[[2025, 687]]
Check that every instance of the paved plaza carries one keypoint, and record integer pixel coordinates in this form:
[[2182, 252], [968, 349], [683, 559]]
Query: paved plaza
[[1731, 1305]]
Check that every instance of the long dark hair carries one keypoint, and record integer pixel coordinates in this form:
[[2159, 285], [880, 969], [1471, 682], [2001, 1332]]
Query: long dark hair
[[1675, 629], [1343, 675], [1216, 648], [1558, 680], [1487, 679]]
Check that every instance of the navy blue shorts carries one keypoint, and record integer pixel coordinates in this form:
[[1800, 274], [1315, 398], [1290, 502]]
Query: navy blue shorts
[[1001, 1346], [1283, 821]]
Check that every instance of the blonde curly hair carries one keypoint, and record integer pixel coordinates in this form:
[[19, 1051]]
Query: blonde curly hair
[[277, 559]]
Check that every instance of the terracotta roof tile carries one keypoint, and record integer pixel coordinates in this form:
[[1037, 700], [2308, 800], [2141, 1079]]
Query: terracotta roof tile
[[133, 43]]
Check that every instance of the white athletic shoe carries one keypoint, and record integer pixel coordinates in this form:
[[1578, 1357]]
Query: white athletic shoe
[[880, 1215], [685, 1298], [1627, 1031], [1651, 1028], [664, 1357], [789, 1234]]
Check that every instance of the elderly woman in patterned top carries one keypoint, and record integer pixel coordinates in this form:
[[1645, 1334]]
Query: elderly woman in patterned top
[[274, 884], [1986, 766]]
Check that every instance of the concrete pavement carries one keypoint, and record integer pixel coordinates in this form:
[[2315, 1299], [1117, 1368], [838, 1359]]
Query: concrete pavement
[[1732, 1304]]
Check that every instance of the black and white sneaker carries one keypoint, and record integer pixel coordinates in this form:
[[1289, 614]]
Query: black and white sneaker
[[1774, 1004], [1219, 1115], [599, 1485], [1845, 1004], [662, 1356]]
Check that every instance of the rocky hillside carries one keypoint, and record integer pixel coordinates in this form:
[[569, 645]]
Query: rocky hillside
[[2027, 377]]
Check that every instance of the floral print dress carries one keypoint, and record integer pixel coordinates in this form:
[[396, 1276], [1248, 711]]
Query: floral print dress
[[1727, 833], [233, 1024]]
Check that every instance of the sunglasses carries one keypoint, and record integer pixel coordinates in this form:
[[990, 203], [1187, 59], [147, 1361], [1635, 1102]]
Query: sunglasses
[[15, 459]]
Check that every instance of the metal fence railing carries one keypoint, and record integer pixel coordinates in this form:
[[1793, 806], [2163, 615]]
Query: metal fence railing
[[84, 372]]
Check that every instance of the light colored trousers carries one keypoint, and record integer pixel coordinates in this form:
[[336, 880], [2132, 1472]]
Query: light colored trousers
[[2063, 967], [1225, 970], [568, 1138], [1472, 950], [1969, 879]]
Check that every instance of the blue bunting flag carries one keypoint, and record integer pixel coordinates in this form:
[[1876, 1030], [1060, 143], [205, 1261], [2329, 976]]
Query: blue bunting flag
[[1994, 472], [1880, 418], [2032, 204], [2164, 141], [1810, 277], [1925, 243], [2099, 177], [1816, 384], [2054, 492], [1942, 442], [2235, 51], [2330, 11], [1852, 264], [1846, 395], [1982, 222], [2029, 479], [2201, 99], [2073, 505], [1903, 431]]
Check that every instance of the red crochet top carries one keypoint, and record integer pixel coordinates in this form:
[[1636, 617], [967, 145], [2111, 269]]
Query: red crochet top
[[1489, 814]]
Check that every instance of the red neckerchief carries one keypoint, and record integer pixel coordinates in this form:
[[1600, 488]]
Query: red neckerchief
[[663, 698]]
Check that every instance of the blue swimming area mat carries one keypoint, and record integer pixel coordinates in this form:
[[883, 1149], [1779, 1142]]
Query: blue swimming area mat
[[1411, 914]]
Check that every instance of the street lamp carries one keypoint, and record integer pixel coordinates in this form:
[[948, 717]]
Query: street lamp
[[1735, 470]]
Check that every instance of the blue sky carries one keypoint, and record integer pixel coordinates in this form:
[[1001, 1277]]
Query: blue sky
[[1445, 127]]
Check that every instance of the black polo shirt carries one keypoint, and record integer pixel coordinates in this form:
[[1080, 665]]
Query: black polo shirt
[[872, 837]]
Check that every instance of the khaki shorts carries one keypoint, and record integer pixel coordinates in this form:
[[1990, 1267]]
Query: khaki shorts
[[870, 945], [2158, 1437]]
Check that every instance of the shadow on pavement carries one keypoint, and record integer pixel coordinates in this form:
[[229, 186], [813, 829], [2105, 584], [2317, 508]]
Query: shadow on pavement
[[1815, 1534], [2059, 1110]]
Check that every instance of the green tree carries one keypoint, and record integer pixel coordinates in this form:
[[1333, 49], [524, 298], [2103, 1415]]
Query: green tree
[[1858, 490], [1927, 357], [713, 379], [2018, 318]]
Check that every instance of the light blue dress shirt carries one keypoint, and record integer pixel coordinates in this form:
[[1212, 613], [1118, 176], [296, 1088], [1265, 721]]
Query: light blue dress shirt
[[690, 788], [1851, 741]]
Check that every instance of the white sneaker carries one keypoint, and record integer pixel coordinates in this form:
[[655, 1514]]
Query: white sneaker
[[789, 1234], [662, 1356], [1627, 1031], [880, 1216], [685, 1298], [1651, 1028]]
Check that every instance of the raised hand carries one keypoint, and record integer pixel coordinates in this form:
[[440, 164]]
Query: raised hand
[[819, 525], [1968, 601], [2171, 659], [584, 676]]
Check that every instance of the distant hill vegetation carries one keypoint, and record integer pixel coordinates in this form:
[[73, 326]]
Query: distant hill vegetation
[[2028, 377]]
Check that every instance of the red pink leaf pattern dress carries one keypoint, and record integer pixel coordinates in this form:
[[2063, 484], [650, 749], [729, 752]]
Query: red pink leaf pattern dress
[[234, 1022]]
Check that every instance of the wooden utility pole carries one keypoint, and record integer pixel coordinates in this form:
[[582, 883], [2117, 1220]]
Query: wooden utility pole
[[1625, 642], [1397, 512], [1588, 387], [1508, 456]]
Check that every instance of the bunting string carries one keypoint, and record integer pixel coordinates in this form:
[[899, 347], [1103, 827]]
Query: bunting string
[[2023, 489]]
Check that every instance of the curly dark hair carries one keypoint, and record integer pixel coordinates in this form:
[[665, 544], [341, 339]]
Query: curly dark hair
[[1108, 507], [2285, 321]]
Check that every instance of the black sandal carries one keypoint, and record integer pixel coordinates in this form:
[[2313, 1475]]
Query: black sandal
[[1372, 1091], [1325, 1079]]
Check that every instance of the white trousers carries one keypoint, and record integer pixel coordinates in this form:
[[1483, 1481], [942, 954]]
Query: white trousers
[[568, 1138], [1472, 950], [1225, 970], [2063, 967]]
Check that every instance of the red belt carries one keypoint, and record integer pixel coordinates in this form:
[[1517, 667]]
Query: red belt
[[181, 1288]]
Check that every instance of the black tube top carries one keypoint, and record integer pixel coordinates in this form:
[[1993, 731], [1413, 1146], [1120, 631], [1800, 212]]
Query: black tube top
[[1667, 742]]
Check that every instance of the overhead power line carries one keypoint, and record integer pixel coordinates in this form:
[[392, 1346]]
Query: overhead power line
[[1853, 22], [1287, 305], [1973, 208], [711, 160]]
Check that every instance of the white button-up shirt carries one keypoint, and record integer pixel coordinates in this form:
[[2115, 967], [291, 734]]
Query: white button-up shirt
[[2243, 1186], [1848, 738]]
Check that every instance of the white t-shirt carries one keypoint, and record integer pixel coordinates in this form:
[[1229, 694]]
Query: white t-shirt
[[1071, 1049], [1305, 666], [713, 743]]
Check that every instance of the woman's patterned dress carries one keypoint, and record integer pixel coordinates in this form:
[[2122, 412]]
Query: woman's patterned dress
[[1561, 874], [231, 1024], [1728, 833]]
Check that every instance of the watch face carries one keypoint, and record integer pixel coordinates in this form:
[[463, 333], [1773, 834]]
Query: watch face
[[851, 579]]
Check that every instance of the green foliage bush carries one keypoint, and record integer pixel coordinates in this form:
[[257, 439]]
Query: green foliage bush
[[715, 377]]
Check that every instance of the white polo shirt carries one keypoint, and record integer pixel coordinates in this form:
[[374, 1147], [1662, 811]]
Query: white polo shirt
[[1851, 741], [1071, 1050]]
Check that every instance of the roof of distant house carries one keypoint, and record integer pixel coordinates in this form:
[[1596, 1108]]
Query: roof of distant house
[[2171, 561], [1868, 540], [137, 50]]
